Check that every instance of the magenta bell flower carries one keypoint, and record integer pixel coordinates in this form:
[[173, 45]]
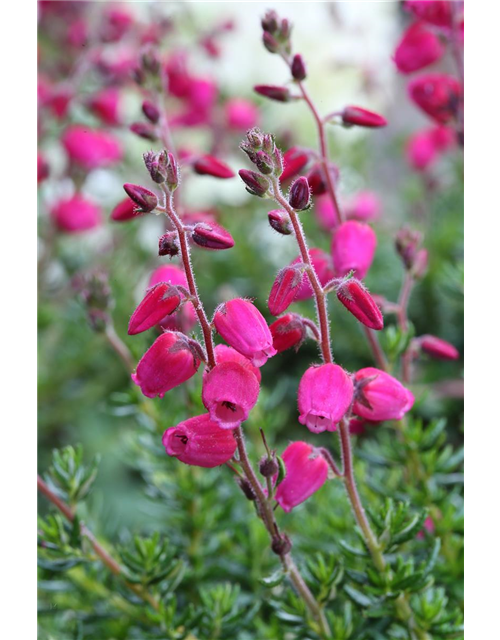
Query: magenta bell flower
[[160, 301], [379, 396], [418, 48], [199, 442], [76, 214], [185, 318], [322, 265], [437, 94], [356, 298], [223, 353], [325, 394], [353, 248], [437, 348], [171, 360], [91, 148], [306, 472], [230, 391], [243, 326], [241, 114]]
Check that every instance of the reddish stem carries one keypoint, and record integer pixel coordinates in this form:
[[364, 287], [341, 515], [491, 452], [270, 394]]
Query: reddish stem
[[404, 299]]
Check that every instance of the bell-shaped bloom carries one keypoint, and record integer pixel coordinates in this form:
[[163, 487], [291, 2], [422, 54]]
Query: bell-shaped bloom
[[76, 214], [364, 206], [125, 210], [325, 395], [106, 106], [353, 248], [160, 301], [360, 117], [230, 391], [437, 94], [437, 348], [91, 148], [210, 166], [306, 472], [241, 114], [355, 297], [244, 328], [200, 442], [288, 331], [421, 151], [171, 360], [285, 287], [294, 160], [185, 318], [418, 48], [436, 12], [223, 353], [211, 235], [322, 265], [379, 396]]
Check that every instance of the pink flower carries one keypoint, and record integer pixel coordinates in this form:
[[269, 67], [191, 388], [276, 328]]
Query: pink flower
[[171, 360], [323, 267], [160, 301], [325, 212], [379, 396], [106, 106], [199, 442], [76, 214], [241, 114], [363, 206], [437, 94], [306, 472], [288, 331], [436, 12], [417, 49], [184, 319], [244, 328], [421, 151], [230, 391], [355, 297], [353, 248], [223, 353], [325, 395], [437, 348], [360, 117], [210, 166], [91, 148], [125, 210], [429, 527], [286, 286]]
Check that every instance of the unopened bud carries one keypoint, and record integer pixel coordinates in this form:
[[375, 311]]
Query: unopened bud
[[273, 92], [268, 144], [146, 200], [285, 288], [298, 67], [268, 467], [280, 222], [288, 331], [256, 184], [155, 164], [407, 243], [270, 42], [144, 130], [211, 236], [362, 118], [264, 162], [246, 487], [281, 545], [210, 166], [300, 195], [270, 21], [172, 172], [168, 244], [151, 111], [355, 297], [150, 61]]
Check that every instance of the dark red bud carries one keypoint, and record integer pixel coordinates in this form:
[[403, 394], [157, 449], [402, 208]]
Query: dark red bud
[[437, 348], [298, 67], [168, 244], [268, 467], [151, 111], [210, 166], [270, 42], [273, 92], [293, 161], [300, 195], [211, 236], [264, 162], [144, 130], [146, 200], [280, 222], [362, 118], [256, 184], [288, 331], [270, 21], [281, 545]]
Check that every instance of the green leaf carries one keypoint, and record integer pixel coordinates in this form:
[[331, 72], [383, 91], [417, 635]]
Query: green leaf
[[274, 579]]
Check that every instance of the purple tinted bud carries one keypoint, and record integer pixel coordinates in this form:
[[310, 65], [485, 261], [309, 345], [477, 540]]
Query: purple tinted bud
[[298, 68], [273, 92], [280, 222], [146, 200], [300, 196], [256, 184], [151, 111]]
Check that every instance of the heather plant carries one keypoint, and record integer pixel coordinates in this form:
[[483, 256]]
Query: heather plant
[[285, 433]]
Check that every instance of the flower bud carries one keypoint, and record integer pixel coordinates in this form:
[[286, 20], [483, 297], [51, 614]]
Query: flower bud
[[156, 165], [210, 166], [322, 265], [256, 184], [160, 301], [270, 42], [281, 545], [144, 130], [264, 162], [379, 396], [437, 348], [280, 222], [124, 210], [286, 286], [355, 297], [407, 243], [306, 472], [325, 395], [362, 118], [418, 48], [287, 332], [230, 391], [270, 21], [244, 328], [246, 487], [168, 244], [146, 200], [199, 442], [294, 160], [273, 92], [353, 248], [151, 111], [211, 236], [171, 360], [268, 467], [299, 197], [437, 94], [317, 179], [298, 67], [150, 61]]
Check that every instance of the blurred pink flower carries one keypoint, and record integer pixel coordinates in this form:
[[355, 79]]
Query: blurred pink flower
[[76, 214], [91, 148]]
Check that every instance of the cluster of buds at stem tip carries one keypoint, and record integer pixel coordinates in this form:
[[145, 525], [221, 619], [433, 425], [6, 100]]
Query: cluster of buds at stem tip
[[276, 33], [145, 199], [265, 155], [163, 168], [414, 258], [95, 292]]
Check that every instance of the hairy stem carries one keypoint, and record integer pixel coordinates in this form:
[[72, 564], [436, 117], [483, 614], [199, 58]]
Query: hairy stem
[[106, 558], [404, 299], [378, 354]]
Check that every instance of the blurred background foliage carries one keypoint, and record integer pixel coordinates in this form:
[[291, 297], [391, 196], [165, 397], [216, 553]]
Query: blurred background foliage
[[214, 544]]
